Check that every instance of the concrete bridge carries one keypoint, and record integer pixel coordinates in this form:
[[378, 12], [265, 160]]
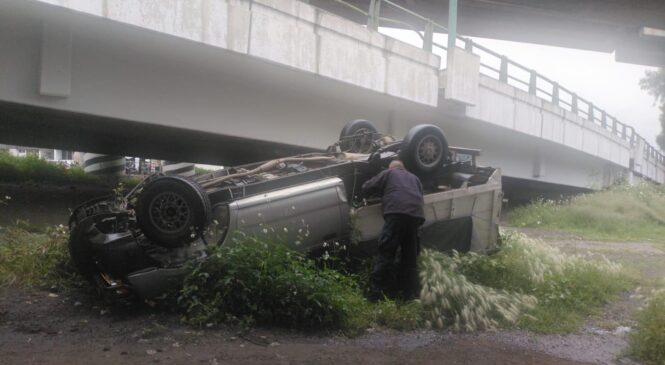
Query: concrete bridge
[[230, 81]]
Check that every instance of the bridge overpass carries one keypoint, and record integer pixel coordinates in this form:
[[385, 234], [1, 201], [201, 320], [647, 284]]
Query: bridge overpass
[[633, 30], [230, 81]]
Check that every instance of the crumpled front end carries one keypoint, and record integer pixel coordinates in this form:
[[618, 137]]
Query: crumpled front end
[[110, 251]]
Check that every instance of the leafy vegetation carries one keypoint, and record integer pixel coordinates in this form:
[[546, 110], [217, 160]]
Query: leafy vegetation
[[202, 170], [622, 212], [34, 258], [648, 341], [33, 169], [527, 283], [254, 281], [654, 83]]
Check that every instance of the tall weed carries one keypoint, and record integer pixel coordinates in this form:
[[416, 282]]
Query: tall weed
[[527, 283]]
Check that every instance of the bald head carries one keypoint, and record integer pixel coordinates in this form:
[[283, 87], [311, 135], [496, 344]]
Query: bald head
[[396, 164]]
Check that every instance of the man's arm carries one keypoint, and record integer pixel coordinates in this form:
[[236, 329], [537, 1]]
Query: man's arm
[[374, 186]]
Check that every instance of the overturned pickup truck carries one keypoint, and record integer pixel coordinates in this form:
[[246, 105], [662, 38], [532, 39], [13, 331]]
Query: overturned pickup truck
[[139, 244]]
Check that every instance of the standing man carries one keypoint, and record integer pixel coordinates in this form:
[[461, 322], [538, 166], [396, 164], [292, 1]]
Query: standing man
[[402, 198]]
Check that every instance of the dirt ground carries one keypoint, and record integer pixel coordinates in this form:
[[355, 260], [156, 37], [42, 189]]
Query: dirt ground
[[43, 327], [38, 327]]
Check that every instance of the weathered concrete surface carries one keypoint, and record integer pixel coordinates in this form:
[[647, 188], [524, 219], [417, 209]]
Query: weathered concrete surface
[[287, 32], [226, 75], [509, 107]]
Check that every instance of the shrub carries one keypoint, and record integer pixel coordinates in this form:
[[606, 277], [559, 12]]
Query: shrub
[[31, 259], [32, 168], [648, 341], [623, 212], [261, 282]]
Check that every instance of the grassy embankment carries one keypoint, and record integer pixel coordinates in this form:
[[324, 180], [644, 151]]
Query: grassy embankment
[[626, 213], [619, 213], [31, 169]]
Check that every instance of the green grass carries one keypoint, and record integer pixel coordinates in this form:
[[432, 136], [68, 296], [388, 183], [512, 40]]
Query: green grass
[[34, 258], [620, 213], [527, 283], [648, 341], [201, 170]]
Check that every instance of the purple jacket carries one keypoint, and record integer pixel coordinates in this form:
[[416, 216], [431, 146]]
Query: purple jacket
[[401, 192]]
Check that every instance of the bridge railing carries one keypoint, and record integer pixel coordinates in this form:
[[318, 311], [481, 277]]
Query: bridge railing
[[500, 67]]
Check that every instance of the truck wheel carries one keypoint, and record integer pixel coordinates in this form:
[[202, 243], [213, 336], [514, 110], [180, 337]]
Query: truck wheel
[[172, 211], [357, 136], [424, 149]]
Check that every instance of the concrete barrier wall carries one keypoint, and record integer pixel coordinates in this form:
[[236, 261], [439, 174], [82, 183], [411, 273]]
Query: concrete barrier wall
[[288, 32], [509, 107], [646, 164]]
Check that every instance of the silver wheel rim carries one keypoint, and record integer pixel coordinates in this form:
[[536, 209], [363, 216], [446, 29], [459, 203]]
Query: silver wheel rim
[[169, 212], [429, 151]]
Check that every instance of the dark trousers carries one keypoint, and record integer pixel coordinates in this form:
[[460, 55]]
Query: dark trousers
[[391, 278]]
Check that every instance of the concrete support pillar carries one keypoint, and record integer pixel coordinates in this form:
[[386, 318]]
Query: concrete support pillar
[[103, 165], [178, 168]]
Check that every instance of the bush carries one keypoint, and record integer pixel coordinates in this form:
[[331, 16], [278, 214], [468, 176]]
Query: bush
[[648, 341], [623, 212], [32, 168], [30, 259], [260, 282], [525, 276]]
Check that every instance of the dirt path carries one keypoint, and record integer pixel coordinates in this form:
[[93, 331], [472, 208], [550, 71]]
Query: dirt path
[[39, 327], [604, 338], [36, 327]]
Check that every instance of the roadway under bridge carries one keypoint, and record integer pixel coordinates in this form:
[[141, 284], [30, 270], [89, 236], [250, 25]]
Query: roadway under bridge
[[232, 81]]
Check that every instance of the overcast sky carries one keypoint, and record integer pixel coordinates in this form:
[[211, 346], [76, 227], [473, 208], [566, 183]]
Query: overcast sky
[[594, 76]]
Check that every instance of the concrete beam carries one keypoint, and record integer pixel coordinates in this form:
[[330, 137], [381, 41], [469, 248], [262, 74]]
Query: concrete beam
[[56, 59]]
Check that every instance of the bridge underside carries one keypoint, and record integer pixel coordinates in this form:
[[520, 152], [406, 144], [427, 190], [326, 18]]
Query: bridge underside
[[51, 128]]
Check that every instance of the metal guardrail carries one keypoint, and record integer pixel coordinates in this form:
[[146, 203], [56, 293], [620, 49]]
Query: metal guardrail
[[510, 72]]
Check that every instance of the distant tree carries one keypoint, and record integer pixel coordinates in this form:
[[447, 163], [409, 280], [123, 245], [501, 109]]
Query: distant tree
[[654, 83]]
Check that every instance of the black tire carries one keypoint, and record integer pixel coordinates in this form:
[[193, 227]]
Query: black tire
[[172, 211], [424, 149], [365, 133]]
